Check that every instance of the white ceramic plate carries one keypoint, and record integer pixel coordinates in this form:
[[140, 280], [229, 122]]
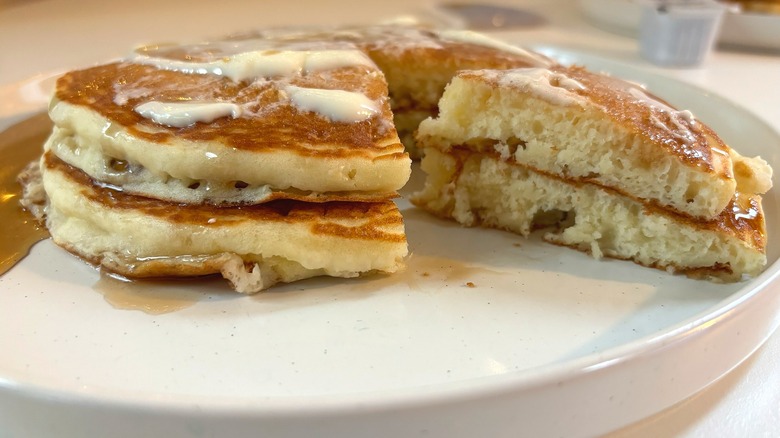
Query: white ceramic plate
[[739, 28], [547, 341]]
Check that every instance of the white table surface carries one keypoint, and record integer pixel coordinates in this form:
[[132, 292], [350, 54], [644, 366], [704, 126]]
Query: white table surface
[[41, 36]]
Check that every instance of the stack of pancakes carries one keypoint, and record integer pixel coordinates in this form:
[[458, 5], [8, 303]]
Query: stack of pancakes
[[603, 165], [263, 162], [266, 158]]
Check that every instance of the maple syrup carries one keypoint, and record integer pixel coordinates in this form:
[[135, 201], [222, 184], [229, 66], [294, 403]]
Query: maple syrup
[[20, 144]]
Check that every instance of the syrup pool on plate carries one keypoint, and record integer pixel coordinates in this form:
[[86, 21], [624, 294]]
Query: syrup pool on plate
[[20, 144]]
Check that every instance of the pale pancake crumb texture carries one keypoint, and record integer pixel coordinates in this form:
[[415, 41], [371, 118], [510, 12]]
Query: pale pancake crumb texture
[[485, 190], [577, 140], [522, 150]]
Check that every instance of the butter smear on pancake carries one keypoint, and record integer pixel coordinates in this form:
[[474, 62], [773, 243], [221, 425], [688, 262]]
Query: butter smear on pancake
[[181, 114], [336, 105], [240, 62]]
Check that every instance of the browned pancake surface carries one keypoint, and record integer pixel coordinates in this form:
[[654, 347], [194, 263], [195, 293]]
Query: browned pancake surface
[[649, 116], [274, 125]]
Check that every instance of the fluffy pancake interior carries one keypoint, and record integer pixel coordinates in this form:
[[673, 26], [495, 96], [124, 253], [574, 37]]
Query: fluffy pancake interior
[[482, 189], [570, 133]]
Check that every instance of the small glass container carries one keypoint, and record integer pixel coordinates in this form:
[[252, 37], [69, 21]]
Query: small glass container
[[679, 33]]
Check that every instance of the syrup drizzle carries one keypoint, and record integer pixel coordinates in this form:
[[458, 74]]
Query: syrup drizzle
[[151, 297], [19, 145]]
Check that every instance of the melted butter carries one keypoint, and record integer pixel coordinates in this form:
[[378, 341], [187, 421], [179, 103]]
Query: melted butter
[[675, 126], [554, 87], [253, 65], [743, 208], [152, 297], [334, 59], [183, 114], [720, 151], [336, 105], [19, 145], [249, 43], [243, 61]]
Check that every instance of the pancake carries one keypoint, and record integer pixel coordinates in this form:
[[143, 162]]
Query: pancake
[[614, 170], [594, 128], [254, 247], [233, 123], [483, 189]]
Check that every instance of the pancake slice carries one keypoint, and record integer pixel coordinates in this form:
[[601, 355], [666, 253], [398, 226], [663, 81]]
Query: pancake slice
[[254, 247], [605, 166], [476, 188], [593, 128]]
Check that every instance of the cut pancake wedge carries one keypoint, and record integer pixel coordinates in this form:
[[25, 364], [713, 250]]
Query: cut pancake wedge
[[590, 127], [610, 168]]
